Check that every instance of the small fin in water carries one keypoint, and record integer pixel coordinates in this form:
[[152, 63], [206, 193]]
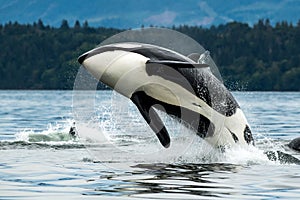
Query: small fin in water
[[295, 144]]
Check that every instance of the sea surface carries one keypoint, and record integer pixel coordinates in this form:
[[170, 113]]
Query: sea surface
[[116, 155]]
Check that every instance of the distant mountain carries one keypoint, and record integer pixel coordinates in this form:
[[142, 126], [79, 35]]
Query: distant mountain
[[134, 13]]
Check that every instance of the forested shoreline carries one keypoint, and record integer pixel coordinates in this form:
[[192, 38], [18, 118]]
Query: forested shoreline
[[261, 57]]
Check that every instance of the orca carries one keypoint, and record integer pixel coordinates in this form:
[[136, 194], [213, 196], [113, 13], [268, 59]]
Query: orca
[[295, 144], [156, 78]]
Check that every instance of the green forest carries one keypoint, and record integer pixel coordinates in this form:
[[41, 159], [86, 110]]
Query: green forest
[[262, 57]]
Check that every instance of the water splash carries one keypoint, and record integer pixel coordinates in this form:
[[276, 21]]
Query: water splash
[[122, 136], [135, 143], [58, 132]]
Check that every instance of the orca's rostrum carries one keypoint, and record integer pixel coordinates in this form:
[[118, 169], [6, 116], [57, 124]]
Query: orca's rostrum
[[156, 78]]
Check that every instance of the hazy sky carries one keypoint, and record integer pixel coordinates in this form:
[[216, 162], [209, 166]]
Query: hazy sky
[[134, 13]]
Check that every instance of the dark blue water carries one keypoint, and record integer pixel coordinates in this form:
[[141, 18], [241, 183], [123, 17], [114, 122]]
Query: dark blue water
[[117, 157]]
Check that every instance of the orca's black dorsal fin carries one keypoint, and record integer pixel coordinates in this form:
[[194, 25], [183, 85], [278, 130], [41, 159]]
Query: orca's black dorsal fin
[[194, 57], [177, 64], [141, 100]]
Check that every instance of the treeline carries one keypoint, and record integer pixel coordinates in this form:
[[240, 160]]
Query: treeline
[[262, 57]]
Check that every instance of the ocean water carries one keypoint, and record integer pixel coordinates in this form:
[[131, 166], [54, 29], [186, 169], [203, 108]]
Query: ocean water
[[116, 155]]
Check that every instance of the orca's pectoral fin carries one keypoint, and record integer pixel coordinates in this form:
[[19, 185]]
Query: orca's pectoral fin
[[152, 118], [177, 64], [158, 127]]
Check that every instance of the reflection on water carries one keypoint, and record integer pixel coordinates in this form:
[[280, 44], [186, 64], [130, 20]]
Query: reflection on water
[[188, 179], [194, 181]]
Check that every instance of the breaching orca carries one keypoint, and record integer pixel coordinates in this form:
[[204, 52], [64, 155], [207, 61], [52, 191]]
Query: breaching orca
[[156, 78]]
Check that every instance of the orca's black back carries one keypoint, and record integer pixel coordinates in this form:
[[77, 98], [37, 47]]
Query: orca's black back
[[199, 81], [209, 89]]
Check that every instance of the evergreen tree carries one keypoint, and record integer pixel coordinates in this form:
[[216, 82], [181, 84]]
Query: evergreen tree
[[262, 57], [64, 24], [77, 25]]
